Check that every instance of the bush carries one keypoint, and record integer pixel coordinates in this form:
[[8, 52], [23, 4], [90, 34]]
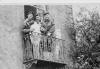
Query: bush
[[86, 40]]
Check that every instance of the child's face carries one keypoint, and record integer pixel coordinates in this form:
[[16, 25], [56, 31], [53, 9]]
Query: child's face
[[30, 16], [38, 17]]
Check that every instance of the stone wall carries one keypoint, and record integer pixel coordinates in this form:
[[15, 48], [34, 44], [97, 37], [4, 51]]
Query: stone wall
[[11, 20], [63, 18]]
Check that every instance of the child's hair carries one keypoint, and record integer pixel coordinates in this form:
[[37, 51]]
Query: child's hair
[[30, 12]]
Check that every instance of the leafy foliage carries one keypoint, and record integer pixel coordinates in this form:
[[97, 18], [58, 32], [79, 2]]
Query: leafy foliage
[[86, 40]]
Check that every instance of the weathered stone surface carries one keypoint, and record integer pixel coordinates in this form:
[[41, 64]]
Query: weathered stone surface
[[11, 20], [63, 18]]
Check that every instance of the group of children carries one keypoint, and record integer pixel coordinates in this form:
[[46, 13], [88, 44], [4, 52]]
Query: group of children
[[35, 31]]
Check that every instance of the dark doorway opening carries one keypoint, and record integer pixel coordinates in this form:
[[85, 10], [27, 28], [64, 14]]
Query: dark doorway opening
[[27, 9]]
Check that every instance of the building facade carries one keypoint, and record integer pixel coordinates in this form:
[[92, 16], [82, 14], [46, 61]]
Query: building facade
[[11, 23]]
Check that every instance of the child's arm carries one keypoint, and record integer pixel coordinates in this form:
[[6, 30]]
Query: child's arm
[[26, 30]]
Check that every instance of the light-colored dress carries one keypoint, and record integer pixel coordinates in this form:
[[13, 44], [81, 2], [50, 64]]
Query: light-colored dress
[[35, 38]]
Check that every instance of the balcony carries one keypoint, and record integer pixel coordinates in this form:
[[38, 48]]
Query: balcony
[[44, 48]]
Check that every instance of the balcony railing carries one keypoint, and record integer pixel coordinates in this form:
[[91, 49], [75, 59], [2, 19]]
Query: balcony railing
[[47, 48]]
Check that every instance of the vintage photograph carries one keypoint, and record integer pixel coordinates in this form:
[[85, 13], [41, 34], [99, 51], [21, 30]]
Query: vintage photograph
[[48, 36]]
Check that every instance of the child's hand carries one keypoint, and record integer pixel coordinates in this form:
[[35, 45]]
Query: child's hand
[[49, 33], [25, 30]]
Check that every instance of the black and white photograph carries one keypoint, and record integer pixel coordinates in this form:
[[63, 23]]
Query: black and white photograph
[[50, 36]]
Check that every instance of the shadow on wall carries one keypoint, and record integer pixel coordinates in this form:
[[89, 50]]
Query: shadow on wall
[[47, 65]]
